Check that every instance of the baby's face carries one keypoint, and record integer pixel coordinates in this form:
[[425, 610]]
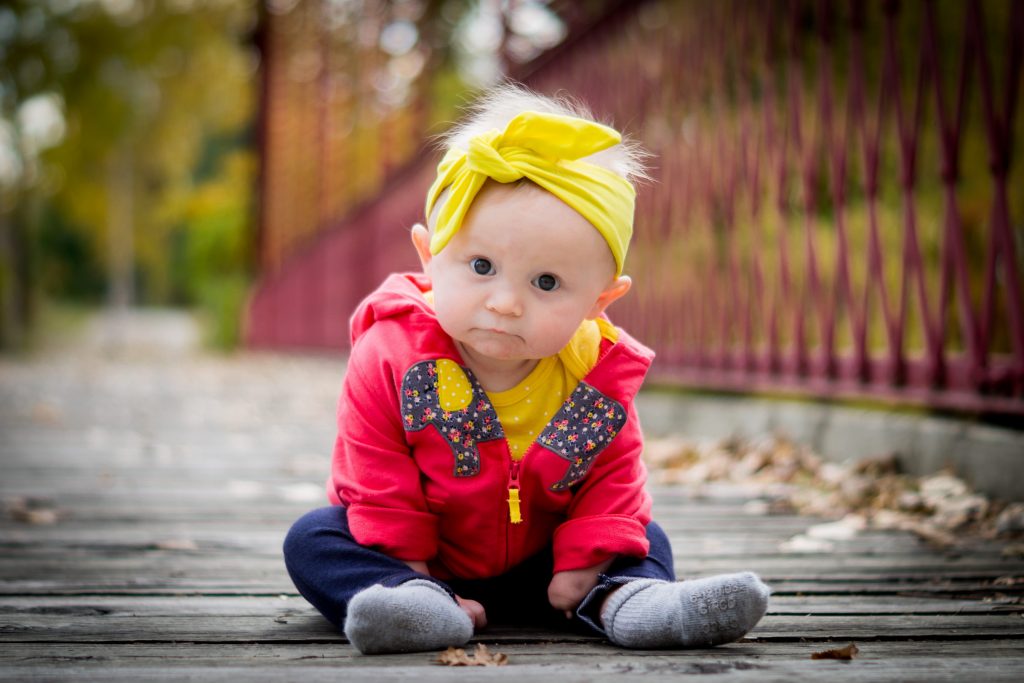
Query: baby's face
[[519, 277]]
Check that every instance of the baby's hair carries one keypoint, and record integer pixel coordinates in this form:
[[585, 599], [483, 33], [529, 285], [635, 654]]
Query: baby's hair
[[500, 104]]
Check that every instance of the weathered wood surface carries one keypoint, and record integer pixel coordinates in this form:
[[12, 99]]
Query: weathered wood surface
[[173, 476], [993, 660]]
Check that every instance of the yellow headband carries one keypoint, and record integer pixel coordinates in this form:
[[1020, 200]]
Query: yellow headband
[[545, 149]]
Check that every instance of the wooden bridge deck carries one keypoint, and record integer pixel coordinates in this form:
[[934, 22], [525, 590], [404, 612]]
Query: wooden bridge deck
[[147, 493]]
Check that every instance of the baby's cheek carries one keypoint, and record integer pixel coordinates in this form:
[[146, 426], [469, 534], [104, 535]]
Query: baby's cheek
[[556, 330]]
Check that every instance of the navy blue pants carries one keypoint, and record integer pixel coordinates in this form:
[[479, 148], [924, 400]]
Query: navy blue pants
[[329, 568]]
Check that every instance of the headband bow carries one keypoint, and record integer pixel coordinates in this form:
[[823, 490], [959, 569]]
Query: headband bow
[[543, 148]]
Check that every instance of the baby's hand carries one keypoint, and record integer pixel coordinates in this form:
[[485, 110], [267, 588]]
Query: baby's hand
[[472, 608], [418, 566], [475, 611], [567, 589]]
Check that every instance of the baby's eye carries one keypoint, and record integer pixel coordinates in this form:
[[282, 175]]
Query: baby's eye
[[546, 282], [482, 266]]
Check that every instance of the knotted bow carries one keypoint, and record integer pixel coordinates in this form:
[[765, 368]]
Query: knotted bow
[[543, 148]]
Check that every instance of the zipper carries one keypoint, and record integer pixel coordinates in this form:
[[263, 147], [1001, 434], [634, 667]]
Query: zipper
[[514, 514]]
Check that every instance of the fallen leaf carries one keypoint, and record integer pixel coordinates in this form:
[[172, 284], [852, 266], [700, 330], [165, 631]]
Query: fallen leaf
[[932, 534], [781, 506], [456, 656], [453, 656], [805, 544], [1008, 581], [37, 511], [846, 653], [46, 413], [1011, 520], [756, 507], [843, 530], [879, 465], [941, 487], [176, 544]]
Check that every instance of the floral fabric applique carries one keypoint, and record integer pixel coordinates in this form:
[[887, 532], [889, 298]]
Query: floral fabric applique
[[582, 428], [462, 429]]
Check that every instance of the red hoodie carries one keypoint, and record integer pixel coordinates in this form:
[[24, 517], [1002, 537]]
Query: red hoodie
[[420, 483]]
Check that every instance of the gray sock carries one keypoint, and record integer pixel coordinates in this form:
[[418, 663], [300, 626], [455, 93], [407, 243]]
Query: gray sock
[[415, 616], [649, 613]]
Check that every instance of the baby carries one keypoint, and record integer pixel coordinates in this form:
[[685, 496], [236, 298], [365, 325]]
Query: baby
[[487, 464]]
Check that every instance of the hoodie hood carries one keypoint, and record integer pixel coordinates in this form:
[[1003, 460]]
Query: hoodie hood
[[399, 295]]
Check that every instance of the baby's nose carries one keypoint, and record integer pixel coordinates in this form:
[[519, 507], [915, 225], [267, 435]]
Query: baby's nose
[[505, 301]]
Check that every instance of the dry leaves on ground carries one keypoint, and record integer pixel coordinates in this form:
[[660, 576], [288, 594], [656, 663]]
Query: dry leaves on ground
[[37, 511], [872, 493], [456, 656], [846, 653]]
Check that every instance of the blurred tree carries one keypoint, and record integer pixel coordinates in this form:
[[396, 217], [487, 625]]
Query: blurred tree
[[107, 113]]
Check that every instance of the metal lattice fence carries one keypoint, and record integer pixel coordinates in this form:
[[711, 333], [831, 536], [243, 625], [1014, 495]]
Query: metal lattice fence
[[838, 205]]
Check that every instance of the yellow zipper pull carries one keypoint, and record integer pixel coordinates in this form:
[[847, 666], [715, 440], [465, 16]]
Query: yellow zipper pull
[[514, 514], [513, 506]]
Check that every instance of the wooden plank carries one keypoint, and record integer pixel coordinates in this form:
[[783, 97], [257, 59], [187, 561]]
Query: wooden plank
[[151, 586], [315, 654], [276, 506], [280, 585], [200, 563], [191, 605], [566, 672], [306, 627], [892, 604], [207, 543], [262, 532], [266, 539], [989, 661], [172, 564]]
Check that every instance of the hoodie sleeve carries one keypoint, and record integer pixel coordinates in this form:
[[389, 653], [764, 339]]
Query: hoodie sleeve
[[373, 473], [610, 510]]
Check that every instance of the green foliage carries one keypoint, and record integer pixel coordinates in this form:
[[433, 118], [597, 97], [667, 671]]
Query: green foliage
[[69, 268], [222, 302], [213, 260], [162, 89]]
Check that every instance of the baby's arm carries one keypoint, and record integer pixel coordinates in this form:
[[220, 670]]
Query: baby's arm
[[606, 519], [373, 474], [568, 588]]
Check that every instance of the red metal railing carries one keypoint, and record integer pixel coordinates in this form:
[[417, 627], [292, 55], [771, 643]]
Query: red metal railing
[[838, 206]]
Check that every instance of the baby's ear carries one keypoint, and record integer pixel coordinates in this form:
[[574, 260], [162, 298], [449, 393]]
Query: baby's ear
[[421, 241], [616, 290]]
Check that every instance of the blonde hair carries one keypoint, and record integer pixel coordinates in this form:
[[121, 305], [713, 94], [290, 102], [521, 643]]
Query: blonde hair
[[501, 103]]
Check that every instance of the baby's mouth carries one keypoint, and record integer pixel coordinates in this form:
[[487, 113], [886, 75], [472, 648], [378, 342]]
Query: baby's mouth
[[498, 334]]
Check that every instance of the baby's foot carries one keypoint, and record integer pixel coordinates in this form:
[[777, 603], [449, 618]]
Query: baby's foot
[[649, 613], [415, 616]]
